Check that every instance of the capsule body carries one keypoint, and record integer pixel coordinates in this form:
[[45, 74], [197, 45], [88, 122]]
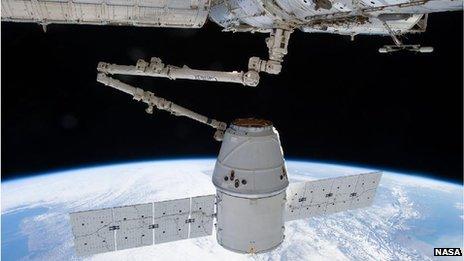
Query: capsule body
[[251, 179]]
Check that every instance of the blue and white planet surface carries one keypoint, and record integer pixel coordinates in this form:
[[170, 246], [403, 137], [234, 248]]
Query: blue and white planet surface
[[411, 214]]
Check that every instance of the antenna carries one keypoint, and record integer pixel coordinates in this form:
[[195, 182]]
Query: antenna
[[162, 104]]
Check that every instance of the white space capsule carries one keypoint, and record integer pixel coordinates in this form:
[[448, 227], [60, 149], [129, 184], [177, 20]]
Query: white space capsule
[[251, 181], [253, 198]]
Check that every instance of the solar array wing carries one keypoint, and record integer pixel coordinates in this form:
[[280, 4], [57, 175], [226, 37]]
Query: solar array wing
[[201, 216], [133, 225], [326, 196], [91, 231], [111, 229], [171, 220]]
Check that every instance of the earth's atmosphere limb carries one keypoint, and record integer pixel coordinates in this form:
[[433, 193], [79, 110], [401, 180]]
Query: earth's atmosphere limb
[[411, 215]]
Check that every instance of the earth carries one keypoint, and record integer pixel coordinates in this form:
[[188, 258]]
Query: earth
[[411, 214]]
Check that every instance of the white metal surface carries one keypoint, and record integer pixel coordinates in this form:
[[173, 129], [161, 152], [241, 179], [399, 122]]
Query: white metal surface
[[250, 161], [326, 196], [247, 225], [153, 13], [250, 178], [339, 17], [104, 230], [368, 25]]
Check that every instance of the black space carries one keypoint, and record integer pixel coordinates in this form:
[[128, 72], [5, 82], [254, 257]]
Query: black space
[[335, 101]]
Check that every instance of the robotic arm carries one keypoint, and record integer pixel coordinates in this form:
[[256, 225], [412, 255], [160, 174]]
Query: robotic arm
[[277, 44], [157, 102]]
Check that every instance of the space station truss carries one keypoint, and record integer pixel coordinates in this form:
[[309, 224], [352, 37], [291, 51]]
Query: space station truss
[[326, 196], [154, 13], [111, 229]]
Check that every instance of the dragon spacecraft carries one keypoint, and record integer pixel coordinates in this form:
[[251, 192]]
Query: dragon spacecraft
[[253, 196], [278, 18]]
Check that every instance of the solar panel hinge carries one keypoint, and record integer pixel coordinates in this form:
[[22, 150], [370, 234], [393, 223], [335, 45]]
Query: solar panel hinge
[[113, 228], [153, 226]]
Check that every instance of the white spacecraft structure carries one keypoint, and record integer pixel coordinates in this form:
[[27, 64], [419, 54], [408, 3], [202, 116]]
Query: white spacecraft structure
[[278, 18], [253, 196]]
